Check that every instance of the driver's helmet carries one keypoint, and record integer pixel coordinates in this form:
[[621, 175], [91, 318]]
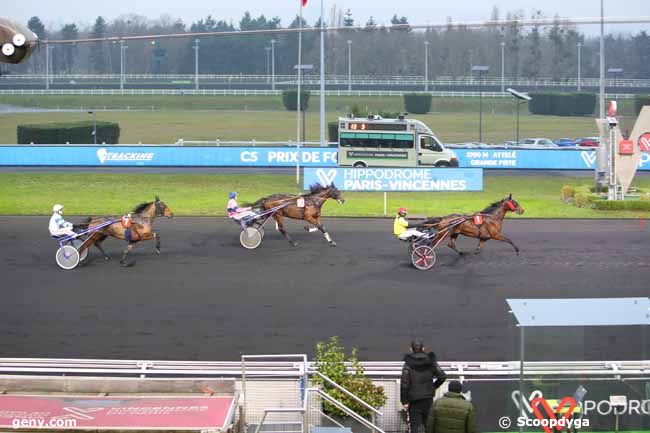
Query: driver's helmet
[[402, 211], [57, 208], [232, 194]]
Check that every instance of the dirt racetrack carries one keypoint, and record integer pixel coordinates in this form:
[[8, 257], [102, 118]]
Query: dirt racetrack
[[207, 298]]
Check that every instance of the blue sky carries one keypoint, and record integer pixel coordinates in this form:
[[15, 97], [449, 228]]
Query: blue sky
[[418, 11]]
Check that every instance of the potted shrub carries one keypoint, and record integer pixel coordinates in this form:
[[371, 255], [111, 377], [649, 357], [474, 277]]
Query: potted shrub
[[332, 362]]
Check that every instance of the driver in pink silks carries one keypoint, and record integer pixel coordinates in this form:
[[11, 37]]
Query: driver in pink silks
[[238, 213]]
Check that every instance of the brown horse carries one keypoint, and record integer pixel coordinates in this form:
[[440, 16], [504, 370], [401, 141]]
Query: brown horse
[[305, 207], [490, 228], [141, 229]]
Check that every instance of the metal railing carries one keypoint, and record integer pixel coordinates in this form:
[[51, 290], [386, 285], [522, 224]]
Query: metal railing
[[179, 369], [262, 92], [303, 410]]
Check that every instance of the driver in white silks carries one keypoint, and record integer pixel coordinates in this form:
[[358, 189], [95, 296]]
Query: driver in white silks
[[400, 226], [58, 226], [238, 213]]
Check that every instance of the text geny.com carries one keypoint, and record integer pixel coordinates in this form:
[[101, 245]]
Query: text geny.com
[[39, 423]]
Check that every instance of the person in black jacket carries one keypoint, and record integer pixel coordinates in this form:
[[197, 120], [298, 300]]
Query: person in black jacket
[[417, 386]]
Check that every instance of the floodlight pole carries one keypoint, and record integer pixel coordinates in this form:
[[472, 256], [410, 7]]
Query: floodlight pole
[[122, 66], [48, 48], [601, 155], [267, 58], [426, 66], [579, 65], [349, 65], [503, 67], [517, 132], [323, 139], [196, 64], [299, 102], [272, 64]]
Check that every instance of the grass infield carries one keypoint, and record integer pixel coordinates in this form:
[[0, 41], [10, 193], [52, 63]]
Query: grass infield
[[206, 194], [165, 119]]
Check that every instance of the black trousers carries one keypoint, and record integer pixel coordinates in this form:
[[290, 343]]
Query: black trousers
[[418, 413]]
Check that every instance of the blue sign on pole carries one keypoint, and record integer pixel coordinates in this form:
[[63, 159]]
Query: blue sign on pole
[[397, 179]]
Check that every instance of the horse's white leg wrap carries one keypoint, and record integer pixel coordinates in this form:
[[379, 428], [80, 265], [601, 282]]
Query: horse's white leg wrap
[[312, 229], [328, 237]]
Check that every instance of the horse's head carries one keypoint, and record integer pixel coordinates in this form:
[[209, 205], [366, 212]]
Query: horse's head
[[162, 210], [335, 194], [511, 205]]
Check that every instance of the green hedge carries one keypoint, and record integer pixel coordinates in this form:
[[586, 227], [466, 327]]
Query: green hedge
[[333, 131], [562, 104], [640, 205], [417, 103], [585, 104], [72, 132], [290, 99], [640, 101]]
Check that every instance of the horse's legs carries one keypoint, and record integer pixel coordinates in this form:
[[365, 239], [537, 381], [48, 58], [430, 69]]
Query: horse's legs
[[481, 242], [98, 244], [279, 222], [126, 252], [502, 238], [452, 243], [319, 224], [156, 236]]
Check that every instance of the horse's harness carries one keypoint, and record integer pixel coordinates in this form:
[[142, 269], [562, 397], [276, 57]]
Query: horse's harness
[[160, 210]]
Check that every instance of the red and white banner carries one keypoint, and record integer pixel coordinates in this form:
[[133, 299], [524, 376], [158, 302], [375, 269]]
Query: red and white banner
[[143, 413]]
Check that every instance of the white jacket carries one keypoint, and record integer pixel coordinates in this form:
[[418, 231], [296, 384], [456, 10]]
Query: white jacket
[[57, 223]]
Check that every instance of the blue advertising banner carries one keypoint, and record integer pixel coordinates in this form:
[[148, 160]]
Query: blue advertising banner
[[180, 156], [397, 179], [573, 159], [171, 156]]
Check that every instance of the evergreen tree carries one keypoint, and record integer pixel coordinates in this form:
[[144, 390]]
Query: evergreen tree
[[69, 55], [348, 21], [98, 49]]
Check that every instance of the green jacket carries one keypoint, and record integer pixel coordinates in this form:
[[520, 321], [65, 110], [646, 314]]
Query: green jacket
[[451, 414]]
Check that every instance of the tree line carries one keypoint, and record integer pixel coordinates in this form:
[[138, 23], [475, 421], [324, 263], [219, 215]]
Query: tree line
[[549, 51]]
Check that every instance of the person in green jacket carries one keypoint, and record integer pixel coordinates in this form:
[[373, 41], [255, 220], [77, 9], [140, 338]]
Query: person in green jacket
[[452, 413]]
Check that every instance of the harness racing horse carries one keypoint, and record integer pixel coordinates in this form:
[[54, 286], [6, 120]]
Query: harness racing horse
[[141, 229], [490, 227], [305, 207]]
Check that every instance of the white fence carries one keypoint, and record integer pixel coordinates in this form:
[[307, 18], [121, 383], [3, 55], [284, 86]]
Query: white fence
[[256, 92], [364, 80]]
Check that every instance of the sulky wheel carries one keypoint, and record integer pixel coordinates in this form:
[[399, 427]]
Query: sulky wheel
[[423, 257], [77, 243], [67, 257], [250, 238]]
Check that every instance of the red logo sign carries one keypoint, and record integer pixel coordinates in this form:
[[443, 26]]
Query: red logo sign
[[644, 142], [551, 414], [626, 147]]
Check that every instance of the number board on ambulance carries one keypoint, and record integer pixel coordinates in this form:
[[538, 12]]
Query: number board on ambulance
[[358, 126]]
